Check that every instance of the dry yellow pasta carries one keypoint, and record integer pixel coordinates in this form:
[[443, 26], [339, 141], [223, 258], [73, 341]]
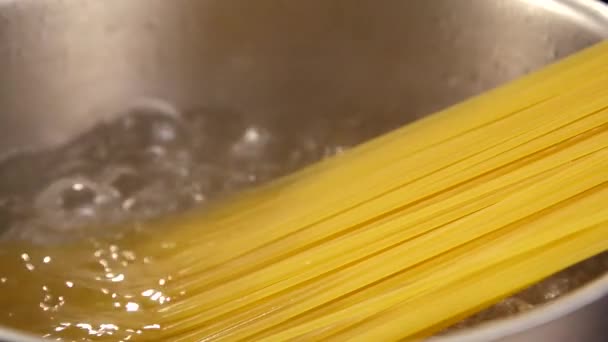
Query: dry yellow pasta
[[394, 240]]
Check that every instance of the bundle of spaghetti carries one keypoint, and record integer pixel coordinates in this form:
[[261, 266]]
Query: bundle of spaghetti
[[407, 216], [401, 236]]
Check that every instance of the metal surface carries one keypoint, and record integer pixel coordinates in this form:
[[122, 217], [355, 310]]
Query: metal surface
[[66, 64]]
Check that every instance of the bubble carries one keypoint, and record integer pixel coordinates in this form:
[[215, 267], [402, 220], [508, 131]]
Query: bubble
[[76, 194], [63, 209], [159, 198], [252, 143], [331, 151], [556, 288], [125, 179], [512, 306], [149, 129], [130, 306], [155, 105]]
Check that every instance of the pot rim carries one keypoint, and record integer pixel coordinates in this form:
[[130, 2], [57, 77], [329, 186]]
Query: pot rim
[[594, 15]]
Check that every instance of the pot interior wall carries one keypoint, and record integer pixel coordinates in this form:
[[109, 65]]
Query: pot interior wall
[[67, 64]]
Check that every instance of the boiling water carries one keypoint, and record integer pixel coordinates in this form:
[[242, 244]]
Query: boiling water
[[149, 163], [152, 161]]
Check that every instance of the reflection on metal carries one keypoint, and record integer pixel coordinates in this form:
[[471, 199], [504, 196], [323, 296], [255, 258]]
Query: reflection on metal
[[68, 64], [588, 14]]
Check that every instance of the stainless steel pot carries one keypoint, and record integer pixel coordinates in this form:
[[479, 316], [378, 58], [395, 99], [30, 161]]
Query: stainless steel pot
[[65, 65]]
